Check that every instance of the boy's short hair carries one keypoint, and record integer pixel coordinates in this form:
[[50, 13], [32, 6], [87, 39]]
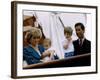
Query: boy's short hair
[[68, 30]]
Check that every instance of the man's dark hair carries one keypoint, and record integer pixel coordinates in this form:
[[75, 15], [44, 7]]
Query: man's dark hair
[[81, 25]]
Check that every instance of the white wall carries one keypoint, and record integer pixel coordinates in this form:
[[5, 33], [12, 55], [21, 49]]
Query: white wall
[[5, 40]]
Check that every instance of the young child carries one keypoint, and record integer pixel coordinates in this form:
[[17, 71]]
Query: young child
[[67, 43], [49, 49]]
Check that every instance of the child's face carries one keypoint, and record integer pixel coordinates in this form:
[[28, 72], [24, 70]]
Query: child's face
[[46, 45], [67, 35]]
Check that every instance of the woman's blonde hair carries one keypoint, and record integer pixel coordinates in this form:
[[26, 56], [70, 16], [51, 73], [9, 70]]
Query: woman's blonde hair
[[34, 33]]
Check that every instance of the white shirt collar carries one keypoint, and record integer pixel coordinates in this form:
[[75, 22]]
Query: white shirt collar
[[82, 40]]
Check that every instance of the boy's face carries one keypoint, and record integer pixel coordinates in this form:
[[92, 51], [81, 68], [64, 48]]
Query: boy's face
[[46, 44], [67, 35]]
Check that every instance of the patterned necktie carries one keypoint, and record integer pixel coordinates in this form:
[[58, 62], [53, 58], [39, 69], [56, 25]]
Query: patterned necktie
[[80, 42]]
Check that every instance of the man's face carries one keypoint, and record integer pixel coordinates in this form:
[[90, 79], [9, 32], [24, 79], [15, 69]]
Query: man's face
[[79, 32]]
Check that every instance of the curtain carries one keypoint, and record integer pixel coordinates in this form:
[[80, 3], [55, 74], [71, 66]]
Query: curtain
[[53, 28]]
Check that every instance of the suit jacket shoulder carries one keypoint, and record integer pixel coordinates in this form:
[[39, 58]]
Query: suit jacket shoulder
[[85, 48]]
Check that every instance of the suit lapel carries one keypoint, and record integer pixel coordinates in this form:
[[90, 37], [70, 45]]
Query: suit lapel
[[78, 42], [84, 42]]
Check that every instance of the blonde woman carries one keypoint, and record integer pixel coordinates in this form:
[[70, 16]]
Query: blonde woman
[[33, 53]]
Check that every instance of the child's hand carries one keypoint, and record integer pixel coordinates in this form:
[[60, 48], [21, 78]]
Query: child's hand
[[49, 52], [65, 46], [46, 53], [52, 51]]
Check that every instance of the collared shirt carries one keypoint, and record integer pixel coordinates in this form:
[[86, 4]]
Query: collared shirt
[[80, 43], [36, 48]]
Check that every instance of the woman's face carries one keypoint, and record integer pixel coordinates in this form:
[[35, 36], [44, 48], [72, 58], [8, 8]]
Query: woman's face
[[35, 41]]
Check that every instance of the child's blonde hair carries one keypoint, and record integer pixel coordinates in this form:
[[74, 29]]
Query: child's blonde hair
[[68, 30]]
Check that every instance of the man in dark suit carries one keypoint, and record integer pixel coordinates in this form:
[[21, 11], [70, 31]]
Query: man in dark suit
[[81, 45]]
